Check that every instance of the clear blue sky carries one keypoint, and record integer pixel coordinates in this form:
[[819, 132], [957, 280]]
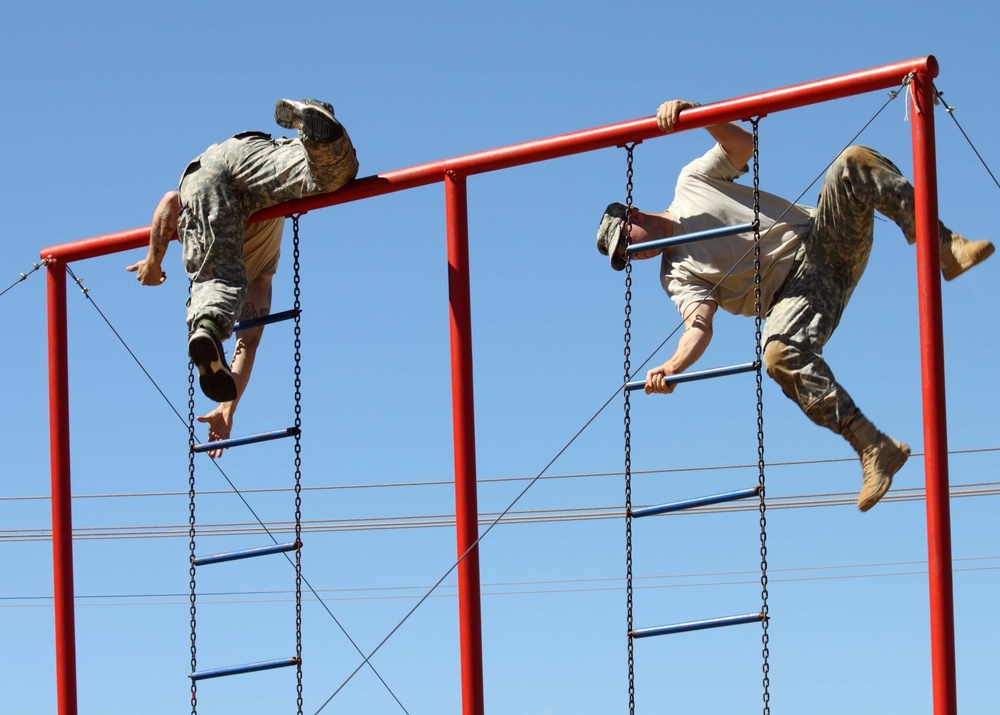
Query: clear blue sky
[[104, 103]]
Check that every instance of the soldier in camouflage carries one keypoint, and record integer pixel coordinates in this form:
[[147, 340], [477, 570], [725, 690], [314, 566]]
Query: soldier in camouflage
[[810, 262], [230, 263]]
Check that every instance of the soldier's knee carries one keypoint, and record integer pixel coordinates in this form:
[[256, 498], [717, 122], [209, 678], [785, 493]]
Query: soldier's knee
[[856, 152], [853, 156], [777, 357], [858, 157]]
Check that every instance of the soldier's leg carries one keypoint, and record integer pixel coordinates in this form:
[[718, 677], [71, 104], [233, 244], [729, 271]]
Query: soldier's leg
[[862, 180], [330, 155], [211, 224], [798, 327], [271, 171]]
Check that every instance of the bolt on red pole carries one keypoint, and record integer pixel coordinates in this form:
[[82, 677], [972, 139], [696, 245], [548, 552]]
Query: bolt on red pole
[[62, 509], [466, 503], [935, 419]]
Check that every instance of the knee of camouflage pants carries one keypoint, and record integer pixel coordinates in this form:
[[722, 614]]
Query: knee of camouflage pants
[[807, 381], [777, 364], [858, 157]]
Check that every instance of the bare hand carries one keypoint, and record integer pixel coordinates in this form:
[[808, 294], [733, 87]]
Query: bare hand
[[668, 112], [655, 381], [147, 272], [162, 229], [220, 426]]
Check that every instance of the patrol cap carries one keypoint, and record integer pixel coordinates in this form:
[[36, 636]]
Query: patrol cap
[[611, 235]]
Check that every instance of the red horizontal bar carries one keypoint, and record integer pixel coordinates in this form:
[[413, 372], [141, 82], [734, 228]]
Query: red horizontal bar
[[729, 110], [99, 246]]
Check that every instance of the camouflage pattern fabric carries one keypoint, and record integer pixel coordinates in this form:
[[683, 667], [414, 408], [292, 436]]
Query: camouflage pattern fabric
[[224, 186], [836, 251]]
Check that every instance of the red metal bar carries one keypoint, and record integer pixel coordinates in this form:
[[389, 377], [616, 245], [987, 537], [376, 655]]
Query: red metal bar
[[935, 420], [776, 100], [62, 510], [466, 505]]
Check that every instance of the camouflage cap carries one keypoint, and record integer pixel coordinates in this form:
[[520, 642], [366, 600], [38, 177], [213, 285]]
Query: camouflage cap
[[611, 235]]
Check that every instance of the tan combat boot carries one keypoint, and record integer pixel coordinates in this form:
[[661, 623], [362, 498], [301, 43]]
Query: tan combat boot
[[959, 254], [881, 457]]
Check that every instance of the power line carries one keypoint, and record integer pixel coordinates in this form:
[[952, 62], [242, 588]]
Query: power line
[[795, 574], [510, 517], [491, 480]]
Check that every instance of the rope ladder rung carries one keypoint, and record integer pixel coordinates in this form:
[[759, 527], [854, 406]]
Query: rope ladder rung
[[689, 238], [267, 319], [246, 553], [697, 375], [698, 625], [245, 668], [697, 502], [249, 439]]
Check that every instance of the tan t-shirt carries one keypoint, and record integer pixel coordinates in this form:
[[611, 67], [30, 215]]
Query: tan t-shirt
[[707, 197], [262, 247]]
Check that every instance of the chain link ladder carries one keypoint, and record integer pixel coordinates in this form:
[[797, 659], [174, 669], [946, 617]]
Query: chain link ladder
[[627, 368], [298, 495], [758, 320], [191, 542], [298, 468]]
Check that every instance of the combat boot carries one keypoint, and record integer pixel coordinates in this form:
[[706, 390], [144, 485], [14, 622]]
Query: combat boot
[[959, 254], [881, 457], [206, 352], [313, 118]]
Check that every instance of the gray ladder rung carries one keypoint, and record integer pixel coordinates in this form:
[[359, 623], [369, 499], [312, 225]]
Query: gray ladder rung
[[246, 553], [698, 375], [266, 320], [251, 439], [247, 668], [696, 502], [697, 625], [689, 237]]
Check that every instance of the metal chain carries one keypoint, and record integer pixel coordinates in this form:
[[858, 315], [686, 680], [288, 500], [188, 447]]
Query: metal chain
[[627, 368], [758, 320], [191, 538], [298, 468]]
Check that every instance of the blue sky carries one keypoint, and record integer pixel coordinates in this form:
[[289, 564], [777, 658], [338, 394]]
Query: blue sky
[[104, 105]]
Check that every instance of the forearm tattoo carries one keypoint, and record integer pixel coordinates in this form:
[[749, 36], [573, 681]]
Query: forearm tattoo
[[249, 311]]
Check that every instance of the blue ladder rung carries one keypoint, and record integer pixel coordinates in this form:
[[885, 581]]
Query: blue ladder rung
[[698, 375], [247, 668], [266, 319], [696, 502], [689, 237], [245, 553], [697, 625], [251, 439]]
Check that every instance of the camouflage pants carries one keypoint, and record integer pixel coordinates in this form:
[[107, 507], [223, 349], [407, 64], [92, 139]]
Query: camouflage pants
[[224, 186], [834, 256]]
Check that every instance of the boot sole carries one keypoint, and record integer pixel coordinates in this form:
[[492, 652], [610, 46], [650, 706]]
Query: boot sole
[[214, 377], [291, 115]]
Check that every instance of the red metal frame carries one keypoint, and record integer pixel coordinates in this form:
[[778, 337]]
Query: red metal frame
[[942, 609], [62, 509], [453, 173]]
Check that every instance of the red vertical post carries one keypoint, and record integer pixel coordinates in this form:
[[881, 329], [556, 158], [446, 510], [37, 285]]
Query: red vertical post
[[62, 509], [935, 421], [463, 411]]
